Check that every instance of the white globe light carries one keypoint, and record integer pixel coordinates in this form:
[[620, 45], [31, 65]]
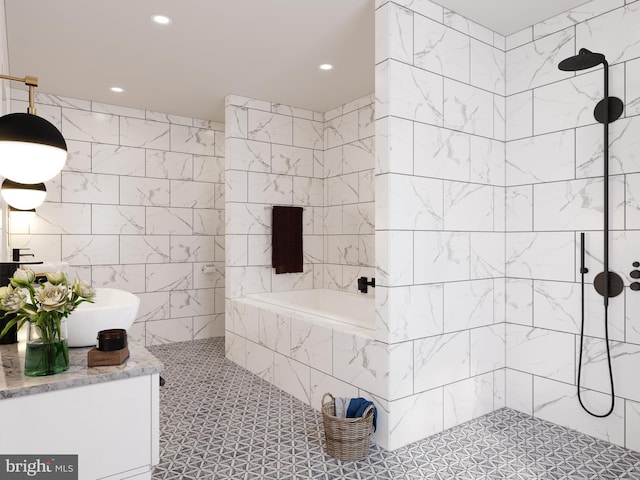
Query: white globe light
[[30, 162], [21, 218], [21, 196]]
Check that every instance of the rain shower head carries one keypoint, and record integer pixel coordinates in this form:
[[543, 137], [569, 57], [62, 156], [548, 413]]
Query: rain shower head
[[585, 59]]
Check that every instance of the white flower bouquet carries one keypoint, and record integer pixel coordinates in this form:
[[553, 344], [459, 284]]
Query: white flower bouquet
[[44, 305]]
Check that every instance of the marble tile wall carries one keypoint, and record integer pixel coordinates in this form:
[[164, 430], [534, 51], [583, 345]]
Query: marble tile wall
[[282, 155], [349, 193], [440, 196], [274, 157], [554, 188], [138, 206]]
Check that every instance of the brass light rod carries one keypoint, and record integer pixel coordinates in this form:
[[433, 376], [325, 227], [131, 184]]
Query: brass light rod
[[29, 81]]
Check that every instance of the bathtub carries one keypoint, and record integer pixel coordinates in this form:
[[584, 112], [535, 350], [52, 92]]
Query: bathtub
[[352, 308], [308, 342]]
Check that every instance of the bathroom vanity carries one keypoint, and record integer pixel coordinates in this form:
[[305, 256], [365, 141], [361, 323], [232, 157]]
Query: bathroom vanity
[[108, 416]]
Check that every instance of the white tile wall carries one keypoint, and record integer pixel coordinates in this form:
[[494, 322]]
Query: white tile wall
[[623, 148], [554, 168], [90, 126], [468, 206], [440, 216], [440, 153], [487, 348], [468, 27], [280, 155], [541, 352], [633, 87], [470, 304], [632, 424], [574, 16], [411, 418], [557, 402], [622, 46], [569, 104], [543, 255], [519, 112], [408, 313], [487, 67], [468, 108], [519, 38], [409, 93], [543, 158], [519, 391], [440, 49], [445, 253], [440, 360], [116, 216], [468, 399], [486, 165], [536, 63]]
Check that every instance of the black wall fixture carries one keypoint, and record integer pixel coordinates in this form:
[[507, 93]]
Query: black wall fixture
[[608, 284]]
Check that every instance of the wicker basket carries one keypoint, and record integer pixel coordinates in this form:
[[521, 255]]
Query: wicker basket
[[346, 438]]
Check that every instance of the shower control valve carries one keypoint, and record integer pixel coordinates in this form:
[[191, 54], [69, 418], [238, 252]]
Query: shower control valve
[[635, 286], [615, 284], [634, 274], [363, 284]]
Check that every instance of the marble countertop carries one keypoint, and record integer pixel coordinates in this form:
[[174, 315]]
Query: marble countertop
[[13, 382]]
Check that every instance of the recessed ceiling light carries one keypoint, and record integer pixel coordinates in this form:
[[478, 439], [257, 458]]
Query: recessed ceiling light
[[117, 89], [326, 66], [161, 19]]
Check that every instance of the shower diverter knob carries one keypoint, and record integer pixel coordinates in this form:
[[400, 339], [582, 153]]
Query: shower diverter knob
[[615, 284], [635, 273], [635, 286]]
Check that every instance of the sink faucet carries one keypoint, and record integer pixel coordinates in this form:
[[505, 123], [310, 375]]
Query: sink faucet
[[363, 284], [15, 254]]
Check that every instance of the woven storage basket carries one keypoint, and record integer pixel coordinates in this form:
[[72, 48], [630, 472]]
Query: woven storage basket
[[346, 438]]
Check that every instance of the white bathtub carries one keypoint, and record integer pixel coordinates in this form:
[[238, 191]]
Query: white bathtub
[[352, 308]]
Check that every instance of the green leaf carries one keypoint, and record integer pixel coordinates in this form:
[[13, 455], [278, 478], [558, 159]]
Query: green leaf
[[9, 324]]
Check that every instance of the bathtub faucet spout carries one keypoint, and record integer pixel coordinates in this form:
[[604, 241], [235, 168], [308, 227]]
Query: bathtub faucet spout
[[363, 284]]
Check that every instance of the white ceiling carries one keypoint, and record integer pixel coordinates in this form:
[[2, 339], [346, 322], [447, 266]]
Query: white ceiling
[[266, 49]]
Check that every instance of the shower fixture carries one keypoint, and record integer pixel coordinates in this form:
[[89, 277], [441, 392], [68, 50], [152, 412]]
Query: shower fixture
[[364, 283], [608, 284]]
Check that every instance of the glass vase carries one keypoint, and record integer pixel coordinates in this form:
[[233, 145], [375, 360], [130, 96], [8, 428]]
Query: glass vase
[[47, 350]]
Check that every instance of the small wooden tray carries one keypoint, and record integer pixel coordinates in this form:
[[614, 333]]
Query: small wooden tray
[[97, 358]]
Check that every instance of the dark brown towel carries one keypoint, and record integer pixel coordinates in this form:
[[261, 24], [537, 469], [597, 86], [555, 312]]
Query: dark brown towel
[[286, 239]]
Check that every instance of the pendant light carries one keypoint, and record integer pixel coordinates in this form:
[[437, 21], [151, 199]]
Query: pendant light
[[23, 196], [21, 218], [32, 150]]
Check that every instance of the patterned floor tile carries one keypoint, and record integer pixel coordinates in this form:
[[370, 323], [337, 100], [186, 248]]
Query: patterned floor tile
[[218, 421]]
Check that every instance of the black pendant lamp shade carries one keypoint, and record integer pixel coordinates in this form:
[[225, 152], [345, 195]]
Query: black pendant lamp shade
[[32, 150]]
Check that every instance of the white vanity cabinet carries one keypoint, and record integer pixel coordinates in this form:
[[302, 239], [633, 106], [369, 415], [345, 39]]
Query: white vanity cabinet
[[108, 416]]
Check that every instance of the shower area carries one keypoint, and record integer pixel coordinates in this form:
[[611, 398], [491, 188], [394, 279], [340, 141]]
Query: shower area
[[463, 185]]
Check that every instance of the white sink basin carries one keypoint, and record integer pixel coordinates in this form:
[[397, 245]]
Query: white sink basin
[[113, 308]]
